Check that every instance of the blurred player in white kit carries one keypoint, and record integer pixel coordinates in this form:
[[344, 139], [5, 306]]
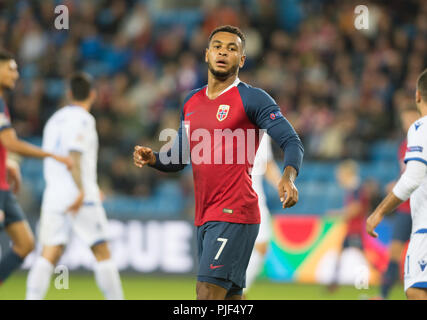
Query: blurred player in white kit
[[72, 200], [264, 165], [413, 184]]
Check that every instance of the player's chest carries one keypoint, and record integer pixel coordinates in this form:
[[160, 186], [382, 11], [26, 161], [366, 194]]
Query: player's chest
[[225, 112]]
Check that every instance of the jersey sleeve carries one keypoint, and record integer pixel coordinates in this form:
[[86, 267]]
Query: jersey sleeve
[[4, 117], [416, 149], [178, 156], [264, 112], [78, 136]]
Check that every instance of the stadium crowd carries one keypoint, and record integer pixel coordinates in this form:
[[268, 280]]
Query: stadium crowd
[[341, 88]]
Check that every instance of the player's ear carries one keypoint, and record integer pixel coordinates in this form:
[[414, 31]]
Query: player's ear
[[93, 95], [68, 95], [242, 61], [206, 54], [417, 96]]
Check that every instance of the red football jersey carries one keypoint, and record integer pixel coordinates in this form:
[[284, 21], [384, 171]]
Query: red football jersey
[[221, 137], [356, 225], [223, 192]]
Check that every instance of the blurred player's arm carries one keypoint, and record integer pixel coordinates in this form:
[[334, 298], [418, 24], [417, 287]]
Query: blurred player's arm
[[272, 173], [351, 210], [12, 143], [409, 181], [13, 174], [76, 173]]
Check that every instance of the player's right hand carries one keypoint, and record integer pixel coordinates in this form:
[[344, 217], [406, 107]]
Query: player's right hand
[[13, 175], [371, 223], [76, 205], [143, 156], [65, 160]]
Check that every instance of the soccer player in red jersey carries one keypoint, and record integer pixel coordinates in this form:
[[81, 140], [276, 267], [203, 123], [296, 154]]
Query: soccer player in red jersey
[[227, 215], [356, 207], [12, 218], [402, 222]]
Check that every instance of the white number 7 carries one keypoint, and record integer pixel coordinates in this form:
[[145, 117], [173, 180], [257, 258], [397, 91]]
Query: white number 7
[[224, 241]]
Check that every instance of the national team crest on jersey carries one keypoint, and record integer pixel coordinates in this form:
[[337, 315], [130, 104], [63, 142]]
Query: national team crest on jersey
[[422, 264], [222, 112]]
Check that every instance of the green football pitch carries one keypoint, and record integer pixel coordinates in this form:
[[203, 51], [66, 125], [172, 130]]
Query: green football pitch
[[82, 286]]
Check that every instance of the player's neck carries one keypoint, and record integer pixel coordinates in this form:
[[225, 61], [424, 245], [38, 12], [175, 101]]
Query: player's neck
[[216, 86], [82, 104], [423, 110]]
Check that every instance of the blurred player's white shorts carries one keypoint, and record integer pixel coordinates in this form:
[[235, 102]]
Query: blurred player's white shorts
[[416, 261], [264, 233], [89, 224]]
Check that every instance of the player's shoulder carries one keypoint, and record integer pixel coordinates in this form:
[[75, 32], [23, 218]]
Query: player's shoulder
[[192, 93], [254, 96], [72, 117], [79, 114], [418, 128]]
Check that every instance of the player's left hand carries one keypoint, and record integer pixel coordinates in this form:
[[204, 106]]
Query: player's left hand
[[371, 223], [14, 175], [288, 193]]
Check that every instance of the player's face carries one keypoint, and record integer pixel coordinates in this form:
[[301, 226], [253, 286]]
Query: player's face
[[8, 74], [225, 55], [345, 177]]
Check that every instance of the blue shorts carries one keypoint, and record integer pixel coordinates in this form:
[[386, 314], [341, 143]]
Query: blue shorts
[[224, 250], [353, 241], [402, 226], [10, 210]]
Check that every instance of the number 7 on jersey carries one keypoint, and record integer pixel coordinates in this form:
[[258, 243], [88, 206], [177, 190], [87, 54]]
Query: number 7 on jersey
[[224, 242]]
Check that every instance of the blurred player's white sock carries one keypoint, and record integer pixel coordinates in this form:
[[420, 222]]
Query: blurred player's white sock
[[254, 266], [108, 279], [38, 279]]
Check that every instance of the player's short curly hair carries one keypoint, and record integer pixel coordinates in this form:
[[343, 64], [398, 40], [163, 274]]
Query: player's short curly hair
[[230, 29], [5, 55], [422, 85]]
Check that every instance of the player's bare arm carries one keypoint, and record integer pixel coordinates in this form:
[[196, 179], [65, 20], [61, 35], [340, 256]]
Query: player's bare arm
[[348, 212], [288, 192], [12, 143], [352, 210], [76, 173], [143, 156], [272, 173], [13, 175], [389, 203], [409, 181]]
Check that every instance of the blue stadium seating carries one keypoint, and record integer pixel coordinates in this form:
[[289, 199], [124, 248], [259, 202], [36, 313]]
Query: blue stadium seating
[[317, 185]]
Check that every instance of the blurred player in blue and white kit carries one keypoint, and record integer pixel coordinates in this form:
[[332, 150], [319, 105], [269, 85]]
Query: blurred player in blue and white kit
[[264, 165], [413, 184], [72, 200], [402, 222]]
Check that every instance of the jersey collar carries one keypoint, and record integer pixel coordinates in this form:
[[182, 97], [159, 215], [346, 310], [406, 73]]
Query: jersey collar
[[234, 84]]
